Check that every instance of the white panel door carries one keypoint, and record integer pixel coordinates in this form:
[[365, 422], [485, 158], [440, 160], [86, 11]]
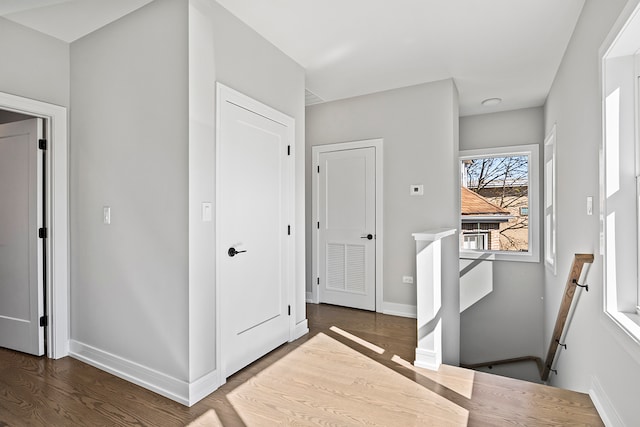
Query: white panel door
[[347, 225], [253, 202], [21, 255]]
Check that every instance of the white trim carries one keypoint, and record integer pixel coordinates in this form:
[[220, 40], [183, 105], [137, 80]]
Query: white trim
[[550, 233], [533, 152], [143, 376], [202, 387], [402, 310], [603, 405], [309, 298], [624, 322], [627, 324], [175, 389], [378, 144], [428, 359], [623, 21], [226, 94], [301, 330], [623, 337], [57, 216]]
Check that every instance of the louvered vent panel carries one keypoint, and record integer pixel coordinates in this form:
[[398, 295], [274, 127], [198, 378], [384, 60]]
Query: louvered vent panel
[[335, 266], [355, 268]]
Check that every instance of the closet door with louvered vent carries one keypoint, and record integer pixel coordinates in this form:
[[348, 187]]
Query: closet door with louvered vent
[[347, 228]]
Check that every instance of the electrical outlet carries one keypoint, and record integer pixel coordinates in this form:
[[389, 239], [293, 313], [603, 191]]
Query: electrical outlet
[[407, 279], [416, 189]]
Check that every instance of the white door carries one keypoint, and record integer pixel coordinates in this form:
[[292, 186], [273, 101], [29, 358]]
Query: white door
[[21, 251], [254, 235], [346, 229]]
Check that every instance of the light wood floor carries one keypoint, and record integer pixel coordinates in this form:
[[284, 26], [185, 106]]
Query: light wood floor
[[352, 369]]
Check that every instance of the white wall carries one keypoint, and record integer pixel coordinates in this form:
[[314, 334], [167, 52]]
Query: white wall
[[507, 322], [600, 358], [34, 65], [419, 125], [129, 147]]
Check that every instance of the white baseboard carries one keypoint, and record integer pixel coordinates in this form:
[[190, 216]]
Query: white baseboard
[[309, 297], [402, 310], [203, 387], [427, 359], [603, 405], [178, 390], [302, 328]]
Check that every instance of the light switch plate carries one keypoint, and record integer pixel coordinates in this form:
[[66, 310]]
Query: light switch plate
[[207, 211], [106, 215]]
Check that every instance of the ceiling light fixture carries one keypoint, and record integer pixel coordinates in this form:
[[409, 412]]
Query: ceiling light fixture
[[491, 102]]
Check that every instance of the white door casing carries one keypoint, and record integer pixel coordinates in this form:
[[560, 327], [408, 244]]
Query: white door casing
[[21, 250], [254, 213], [348, 224]]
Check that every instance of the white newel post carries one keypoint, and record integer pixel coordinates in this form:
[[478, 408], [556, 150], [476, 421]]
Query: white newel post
[[429, 298]]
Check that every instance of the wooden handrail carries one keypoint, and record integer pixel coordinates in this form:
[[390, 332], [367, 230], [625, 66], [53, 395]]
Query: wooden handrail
[[579, 260], [569, 290], [504, 362]]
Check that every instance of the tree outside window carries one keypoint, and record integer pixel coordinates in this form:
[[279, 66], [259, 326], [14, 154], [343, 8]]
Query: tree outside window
[[503, 181]]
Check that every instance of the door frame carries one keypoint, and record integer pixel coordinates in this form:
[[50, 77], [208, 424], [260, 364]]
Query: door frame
[[316, 150], [226, 94], [56, 216]]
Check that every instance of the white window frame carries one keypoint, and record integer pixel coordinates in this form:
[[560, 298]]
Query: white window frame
[[550, 226], [532, 151], [621, 291]]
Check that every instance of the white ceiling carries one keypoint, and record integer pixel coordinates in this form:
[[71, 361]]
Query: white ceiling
[[509, 49], [67, 20]]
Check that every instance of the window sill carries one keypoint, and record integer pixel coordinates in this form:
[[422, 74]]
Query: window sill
[[628, 322], [499, 256]]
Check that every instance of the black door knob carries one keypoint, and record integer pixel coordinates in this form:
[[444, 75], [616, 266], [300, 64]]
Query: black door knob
[[368, 237], [232, 252]]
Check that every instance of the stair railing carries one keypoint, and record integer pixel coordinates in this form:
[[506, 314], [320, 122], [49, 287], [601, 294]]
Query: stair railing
[[579, 260]]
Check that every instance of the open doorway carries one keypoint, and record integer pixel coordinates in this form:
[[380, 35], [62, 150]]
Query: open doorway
[[54, 214]]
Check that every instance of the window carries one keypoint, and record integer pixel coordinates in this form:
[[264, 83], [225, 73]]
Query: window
[[550, 257], [474, 240], [499, 201], [619, 178]]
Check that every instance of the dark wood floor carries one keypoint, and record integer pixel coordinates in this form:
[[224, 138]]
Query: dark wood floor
[[66, 392]]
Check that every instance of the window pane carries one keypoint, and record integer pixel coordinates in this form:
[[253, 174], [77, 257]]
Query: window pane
[[495, 203], [474, 241]]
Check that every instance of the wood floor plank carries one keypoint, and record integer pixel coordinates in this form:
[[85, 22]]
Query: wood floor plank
[[353, 368]]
